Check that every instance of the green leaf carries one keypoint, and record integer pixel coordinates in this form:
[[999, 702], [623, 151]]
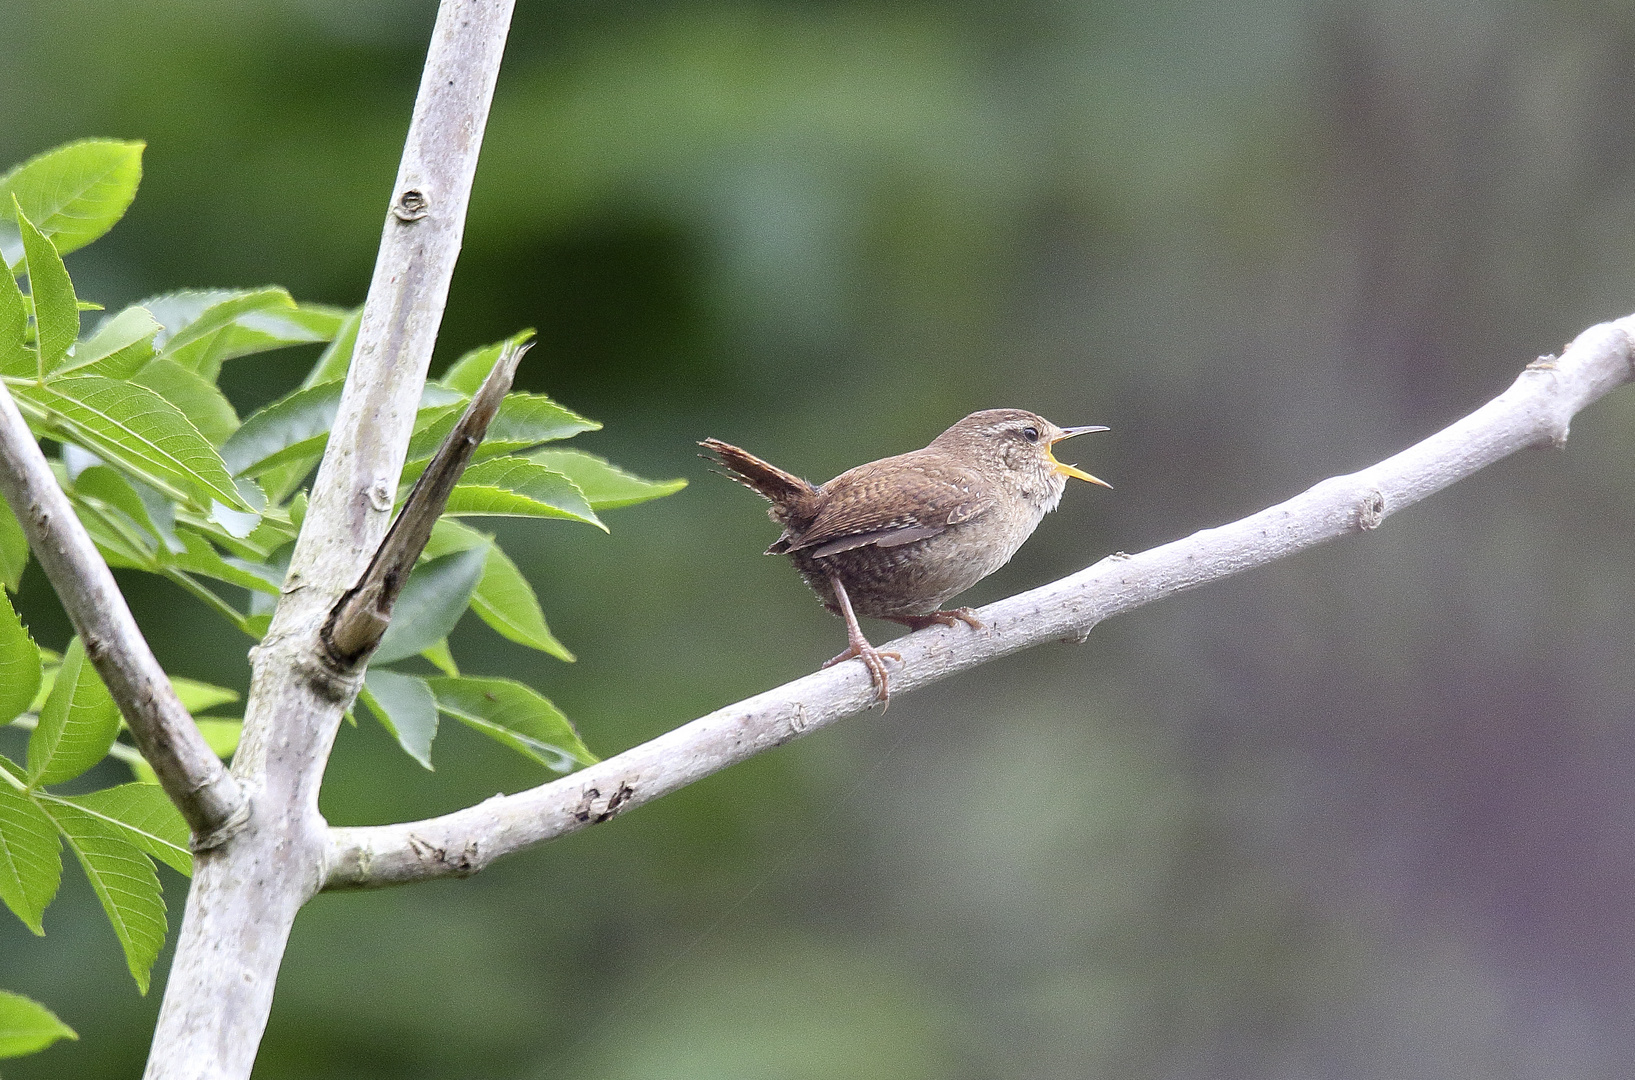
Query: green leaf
[[439, 657], [212, 336], [468, 372], [516, 716], [201, 557], [292, 428], [221, 734], [56, 310], [27, 1027], [77, 725], [405, 706], [123, 879], [335, 359], [505, 601], [606, 486], [503, 598], [13, 549], [144, 815], [75, 193], [523, 421], [198, 696], [30, 858], [136, 429], [517, 487], [118, 349], [109, 487], [435, 597], [196, 398], [16, 358], [19, 664]]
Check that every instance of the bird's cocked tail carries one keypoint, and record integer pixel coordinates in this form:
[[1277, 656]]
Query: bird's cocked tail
[[790, 496]]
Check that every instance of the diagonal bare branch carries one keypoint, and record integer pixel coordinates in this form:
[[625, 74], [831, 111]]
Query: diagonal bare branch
[[1535, 411], [194, 778], [360, 618]]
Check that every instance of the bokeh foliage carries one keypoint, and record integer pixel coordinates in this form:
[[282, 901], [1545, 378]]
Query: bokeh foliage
[[1360, 814]]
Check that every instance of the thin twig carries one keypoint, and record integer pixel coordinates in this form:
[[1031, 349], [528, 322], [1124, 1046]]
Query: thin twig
[[192, 775], [1535, 411], [362, 615]]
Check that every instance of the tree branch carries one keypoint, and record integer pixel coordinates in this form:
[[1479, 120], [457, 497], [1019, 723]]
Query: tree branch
[[190, 772], [245, 895], [1534, 411], [361, 617]]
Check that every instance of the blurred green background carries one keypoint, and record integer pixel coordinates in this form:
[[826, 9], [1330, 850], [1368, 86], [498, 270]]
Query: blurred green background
[[1366, 813]]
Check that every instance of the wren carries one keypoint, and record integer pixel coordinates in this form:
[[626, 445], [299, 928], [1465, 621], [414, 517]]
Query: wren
[[897, 538]]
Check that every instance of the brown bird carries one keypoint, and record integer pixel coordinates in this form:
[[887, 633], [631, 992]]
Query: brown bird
[[897, 538]]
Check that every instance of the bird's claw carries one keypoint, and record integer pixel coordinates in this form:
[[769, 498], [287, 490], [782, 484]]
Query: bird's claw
[[873, 659]]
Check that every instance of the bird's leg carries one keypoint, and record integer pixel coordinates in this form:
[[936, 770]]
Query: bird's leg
[[939, 618], [857, 645]]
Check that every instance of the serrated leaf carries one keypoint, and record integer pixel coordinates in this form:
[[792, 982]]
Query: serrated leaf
[[605, 485], [27, 1027], [468, 372], [123, 879], [294, 427], [56, 310], [334, 360], [198, 696], [436, 595], [195, 397], [121, 543], [199, 556], [75, 193], [503, 598], [16, 358], [131, 426], [155, 516], [144, 815], [523, 422], [30, 858], [118, 349], [260, 330], [405, 707], [77, 725], [13, 549], [517, 487], [204, 343], [516, 716], [19, 664]]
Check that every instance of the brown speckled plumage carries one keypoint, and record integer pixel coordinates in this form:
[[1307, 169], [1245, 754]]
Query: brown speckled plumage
[[901, 536]]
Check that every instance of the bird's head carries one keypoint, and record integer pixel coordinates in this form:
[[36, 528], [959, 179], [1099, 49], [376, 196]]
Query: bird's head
[[1018, 441]]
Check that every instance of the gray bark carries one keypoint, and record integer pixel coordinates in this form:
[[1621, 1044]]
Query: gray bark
[[245, 893], [195, 779], [250, 883], [1535, 411]]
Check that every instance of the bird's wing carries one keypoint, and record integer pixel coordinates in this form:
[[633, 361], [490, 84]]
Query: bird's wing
[[887, 504]]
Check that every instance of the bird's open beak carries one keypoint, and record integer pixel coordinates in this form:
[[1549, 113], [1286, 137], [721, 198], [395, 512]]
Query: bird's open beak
[[1074, 470]]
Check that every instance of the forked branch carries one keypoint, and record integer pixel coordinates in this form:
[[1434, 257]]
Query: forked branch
[[1535, 411], [192, 775]]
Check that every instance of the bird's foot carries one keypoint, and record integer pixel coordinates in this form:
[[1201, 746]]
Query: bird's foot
[[940, 618], [873, 659]]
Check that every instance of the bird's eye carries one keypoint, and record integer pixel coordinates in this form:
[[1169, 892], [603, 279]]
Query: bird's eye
[[1031, 434]]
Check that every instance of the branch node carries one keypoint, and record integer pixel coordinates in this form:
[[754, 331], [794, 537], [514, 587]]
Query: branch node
[[595, 808], [225, 831], [1370, 510], [361, 617], [411, 205]]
